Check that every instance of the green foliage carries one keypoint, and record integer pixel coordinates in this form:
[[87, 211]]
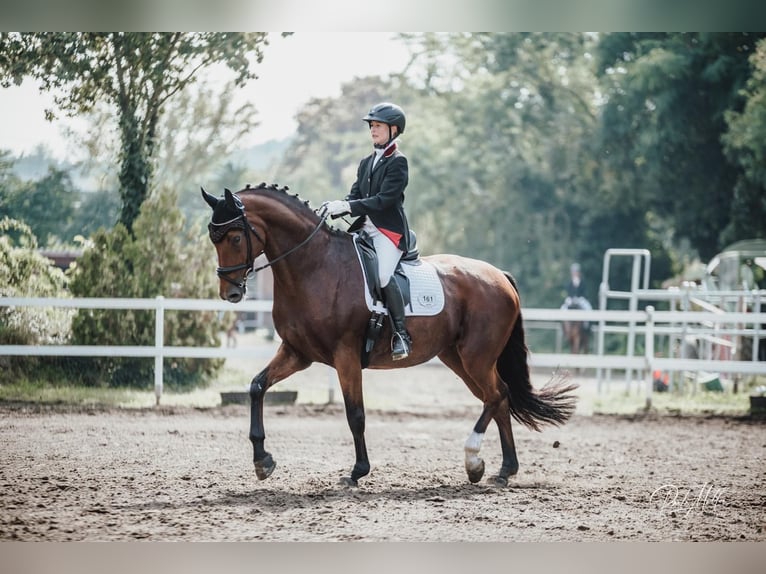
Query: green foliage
[[94, 210], [746, 146], [54, 209], [135, 73], [663, 124], [26, 273], [202, 122], [521, 127], [47, 205], [539, 149], [161, 258]]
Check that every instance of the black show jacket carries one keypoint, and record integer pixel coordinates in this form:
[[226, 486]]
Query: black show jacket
[[379, 194]]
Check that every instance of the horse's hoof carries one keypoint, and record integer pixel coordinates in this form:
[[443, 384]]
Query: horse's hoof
[[264, 467], [498, 481], [348, 482], [475, 474]]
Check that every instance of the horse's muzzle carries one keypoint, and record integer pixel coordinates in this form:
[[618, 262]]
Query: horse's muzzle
[[232, 293]]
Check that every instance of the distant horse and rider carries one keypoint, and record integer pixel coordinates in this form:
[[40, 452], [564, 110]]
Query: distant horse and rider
[[471, 320], [576, 333]]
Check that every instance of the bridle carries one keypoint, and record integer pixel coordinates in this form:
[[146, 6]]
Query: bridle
[[217, 232]]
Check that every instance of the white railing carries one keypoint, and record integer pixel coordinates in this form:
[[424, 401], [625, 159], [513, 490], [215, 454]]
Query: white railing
[[651, 324], [159, 350], [648, 323]]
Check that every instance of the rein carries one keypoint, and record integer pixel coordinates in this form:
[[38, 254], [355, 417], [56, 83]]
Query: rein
[[241, 222], [293, 249]]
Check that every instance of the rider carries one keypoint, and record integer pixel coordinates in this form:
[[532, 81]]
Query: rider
[[576, 286], [575, 289], [377, 197]]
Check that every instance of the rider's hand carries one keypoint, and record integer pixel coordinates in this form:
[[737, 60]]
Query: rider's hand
[[334, 208]]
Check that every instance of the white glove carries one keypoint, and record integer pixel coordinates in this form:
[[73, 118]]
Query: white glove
[[329, 208]]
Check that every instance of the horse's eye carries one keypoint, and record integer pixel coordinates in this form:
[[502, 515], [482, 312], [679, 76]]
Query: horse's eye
[[237, 239]]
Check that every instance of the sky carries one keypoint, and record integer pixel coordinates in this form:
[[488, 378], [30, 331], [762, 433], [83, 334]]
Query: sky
[[294, 70]]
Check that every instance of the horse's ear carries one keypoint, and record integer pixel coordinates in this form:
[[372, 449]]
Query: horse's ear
[[231, 202], [211, 201]]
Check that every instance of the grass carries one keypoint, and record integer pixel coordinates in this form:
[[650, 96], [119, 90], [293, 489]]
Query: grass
[[614, 396], [701, 403], [43, 393]]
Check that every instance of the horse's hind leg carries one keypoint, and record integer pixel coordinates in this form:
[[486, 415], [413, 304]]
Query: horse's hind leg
[[510, 462], [501, 413], [474, 465], [495, 406]]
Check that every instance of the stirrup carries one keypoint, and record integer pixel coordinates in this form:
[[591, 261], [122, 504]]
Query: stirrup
[[402, 350]]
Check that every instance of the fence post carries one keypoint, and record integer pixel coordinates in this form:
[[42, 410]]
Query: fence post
[[159, 343], [632, 306], [649, 354], [602, 302], [756, 326]]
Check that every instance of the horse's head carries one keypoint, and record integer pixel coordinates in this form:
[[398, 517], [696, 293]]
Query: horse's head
[[232, 234]]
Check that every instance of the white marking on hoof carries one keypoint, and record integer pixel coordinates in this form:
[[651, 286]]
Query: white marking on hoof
[[472, 447]]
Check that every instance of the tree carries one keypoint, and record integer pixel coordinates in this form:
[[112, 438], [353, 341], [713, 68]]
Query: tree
[[197, 134], [203, 123], [667, 96], [745, 145], [46, 205], [506, 134], [94, 210], [55, 211], [135, 73]]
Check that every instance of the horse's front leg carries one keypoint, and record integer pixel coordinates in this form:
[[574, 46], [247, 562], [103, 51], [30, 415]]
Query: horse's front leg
[[285, 363], [350, 377]]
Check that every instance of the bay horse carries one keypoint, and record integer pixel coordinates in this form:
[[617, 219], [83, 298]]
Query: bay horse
[[320, 315]]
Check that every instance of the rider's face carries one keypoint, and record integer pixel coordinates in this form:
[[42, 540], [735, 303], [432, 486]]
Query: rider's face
[[379, 132]]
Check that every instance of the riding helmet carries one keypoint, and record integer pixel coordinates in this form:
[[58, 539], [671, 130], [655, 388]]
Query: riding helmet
[[387, 113]]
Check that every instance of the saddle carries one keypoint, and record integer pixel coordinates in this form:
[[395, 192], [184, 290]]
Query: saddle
[[418, 282], [369, 259]]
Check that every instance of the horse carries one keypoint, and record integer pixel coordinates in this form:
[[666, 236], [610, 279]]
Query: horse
[[577, 333], [320, 315]]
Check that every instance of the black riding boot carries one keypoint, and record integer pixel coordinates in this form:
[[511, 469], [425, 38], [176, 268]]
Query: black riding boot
[[400, 341]]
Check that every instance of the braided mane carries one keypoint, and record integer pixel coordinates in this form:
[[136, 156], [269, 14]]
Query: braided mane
[[292, 200], [280, 193]]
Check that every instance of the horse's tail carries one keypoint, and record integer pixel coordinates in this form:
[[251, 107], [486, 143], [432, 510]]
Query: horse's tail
[[553, 404]]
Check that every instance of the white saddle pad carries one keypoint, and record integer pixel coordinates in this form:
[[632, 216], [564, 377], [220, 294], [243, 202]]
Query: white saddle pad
[[426, 291]]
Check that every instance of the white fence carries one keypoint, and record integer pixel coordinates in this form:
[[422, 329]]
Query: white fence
[[649, 324], [159, 350]]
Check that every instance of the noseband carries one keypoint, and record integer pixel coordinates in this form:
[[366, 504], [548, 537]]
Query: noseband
[[217, 232]]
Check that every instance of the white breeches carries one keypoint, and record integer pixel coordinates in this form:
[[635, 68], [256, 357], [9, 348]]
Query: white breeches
[[388, 253]]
